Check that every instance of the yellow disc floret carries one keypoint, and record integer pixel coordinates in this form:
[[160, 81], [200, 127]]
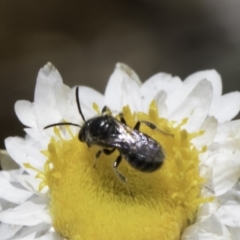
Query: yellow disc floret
[[89, 202]]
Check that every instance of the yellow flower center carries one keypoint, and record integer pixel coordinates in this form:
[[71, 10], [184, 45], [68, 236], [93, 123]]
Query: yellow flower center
[[90, 203]]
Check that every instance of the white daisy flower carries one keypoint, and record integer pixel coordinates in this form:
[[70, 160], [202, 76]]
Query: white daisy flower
[[57, 193]]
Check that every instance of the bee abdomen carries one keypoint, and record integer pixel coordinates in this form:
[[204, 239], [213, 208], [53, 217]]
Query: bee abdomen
[[143, 163]]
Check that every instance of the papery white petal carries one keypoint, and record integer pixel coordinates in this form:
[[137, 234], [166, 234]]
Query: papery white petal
[[51, 234], [11, 175], [87, 97], [212, 229], [207, 209], [177, 97], [235, 233], [130, 88], [195, 106], [159, 82], [35, 135], [160, 99], [29, 213], [44, 98], [25, 113], [8, 230], [225, 173], [226, 107], [6, 162], [209, 127], [48, 77], [129, 72], [11, 193], [31, 183], [32, 232], [228, 131], [22, 153], [66, 103], [122, 90], [215, 228], [210, 75], [189, 232], [229, 211], [6, 204], [27, 237], [229, 215]]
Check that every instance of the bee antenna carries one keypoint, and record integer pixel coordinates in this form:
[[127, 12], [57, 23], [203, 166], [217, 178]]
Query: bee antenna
[[60, 124], [78, 104]]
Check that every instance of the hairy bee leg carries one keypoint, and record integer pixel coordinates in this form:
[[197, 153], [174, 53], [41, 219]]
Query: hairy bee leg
[[105, 151], [152, 126], [115, 165]]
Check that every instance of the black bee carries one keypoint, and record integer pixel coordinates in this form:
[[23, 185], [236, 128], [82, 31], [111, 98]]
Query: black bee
[[140, 150]]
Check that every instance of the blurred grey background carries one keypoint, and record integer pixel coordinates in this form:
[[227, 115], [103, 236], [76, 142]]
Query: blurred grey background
[[84, 40]]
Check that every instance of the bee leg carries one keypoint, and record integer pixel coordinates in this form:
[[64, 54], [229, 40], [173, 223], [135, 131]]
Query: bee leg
[[138, 124], [106, 110], [122, 119], [96, 157], [115, 165], [151, 125], [106, 151]]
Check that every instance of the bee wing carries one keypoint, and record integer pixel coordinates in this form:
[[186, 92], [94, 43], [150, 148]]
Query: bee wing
[[122, 139]]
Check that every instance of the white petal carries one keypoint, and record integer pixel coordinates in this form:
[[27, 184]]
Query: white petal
[[122, 90], [87, 97], [215, 228], [209, 127], [159, 82], [129, 72], [7, 230], [48, 77], [228, 131], [29, 213], [229, 211], [11, 175], [235, 233], [207, 209], [227, 107], [25, 113], [44, 98], [195, 106], [212, 229], [32, 232], [66, 103], [30, 236], [131, 96], [22, 153], [189, 232], [229, 215], [36, 134], [160, 99], [31, 183], [11, 193], [51, 234], [225, 173], [6, 162], [210, 75]]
